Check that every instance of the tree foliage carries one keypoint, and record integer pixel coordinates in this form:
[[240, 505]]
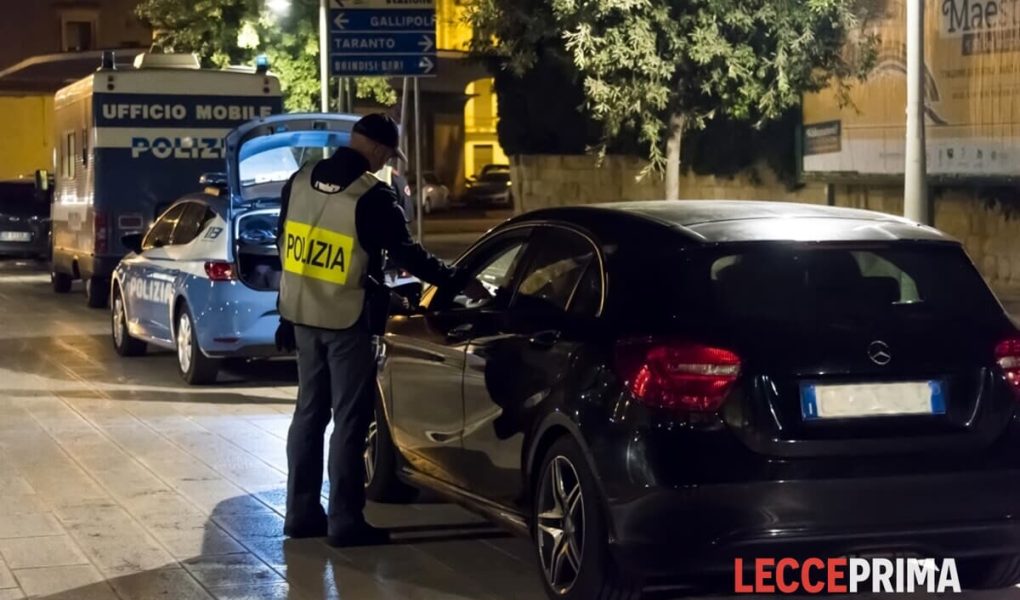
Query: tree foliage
[[231, 32], [647, 65]]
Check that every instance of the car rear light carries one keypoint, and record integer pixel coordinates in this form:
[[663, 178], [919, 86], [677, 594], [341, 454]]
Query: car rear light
[[219, 271], [1007, 356], [101, 233], [677, 375]]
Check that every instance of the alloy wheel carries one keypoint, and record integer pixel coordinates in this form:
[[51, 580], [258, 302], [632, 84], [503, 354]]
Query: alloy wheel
[[561, 525], [371, 447], [184, 342]]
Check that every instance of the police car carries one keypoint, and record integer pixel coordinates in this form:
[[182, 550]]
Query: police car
[[204, 279]]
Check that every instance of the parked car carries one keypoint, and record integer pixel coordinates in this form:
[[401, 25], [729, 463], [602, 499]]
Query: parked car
[[24, 220], [436, 195], [803, 381], [491, 187], [205, 277]]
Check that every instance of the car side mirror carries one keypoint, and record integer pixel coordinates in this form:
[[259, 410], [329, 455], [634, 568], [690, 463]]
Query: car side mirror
[[133, 242]]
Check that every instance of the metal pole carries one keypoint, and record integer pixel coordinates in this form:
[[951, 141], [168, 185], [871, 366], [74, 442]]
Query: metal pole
[[419, 188], [915, 185], [324, 52], [404, 97], [341, 106]]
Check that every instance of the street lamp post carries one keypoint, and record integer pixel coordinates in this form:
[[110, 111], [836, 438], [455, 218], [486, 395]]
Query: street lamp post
[[915, 183], [324, 52]]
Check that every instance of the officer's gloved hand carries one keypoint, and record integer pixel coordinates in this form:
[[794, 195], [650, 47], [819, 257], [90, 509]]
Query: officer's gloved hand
[[285, 341]]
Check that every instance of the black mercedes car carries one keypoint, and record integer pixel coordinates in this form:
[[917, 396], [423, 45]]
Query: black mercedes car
[[657, 388]]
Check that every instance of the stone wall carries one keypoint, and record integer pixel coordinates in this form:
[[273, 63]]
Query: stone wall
[[992, 241]]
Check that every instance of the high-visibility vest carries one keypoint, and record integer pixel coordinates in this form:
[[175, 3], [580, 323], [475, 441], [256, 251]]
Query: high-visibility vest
[[324, 264]]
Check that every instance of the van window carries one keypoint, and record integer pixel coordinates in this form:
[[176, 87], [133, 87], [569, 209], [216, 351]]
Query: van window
[[70, 154]]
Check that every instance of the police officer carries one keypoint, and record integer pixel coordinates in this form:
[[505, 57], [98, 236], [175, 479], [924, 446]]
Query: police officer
[[338, 220]]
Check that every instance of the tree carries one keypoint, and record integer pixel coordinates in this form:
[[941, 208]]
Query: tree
[[655, 69], [230, 32]]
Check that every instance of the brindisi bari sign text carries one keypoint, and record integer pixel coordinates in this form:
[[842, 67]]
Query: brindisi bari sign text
[[845, 576], [972, 97]]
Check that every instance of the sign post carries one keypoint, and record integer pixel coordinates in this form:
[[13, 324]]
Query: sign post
[[387, 38]]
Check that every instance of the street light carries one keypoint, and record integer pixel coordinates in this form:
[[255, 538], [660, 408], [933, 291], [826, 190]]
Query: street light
[[278, 7]]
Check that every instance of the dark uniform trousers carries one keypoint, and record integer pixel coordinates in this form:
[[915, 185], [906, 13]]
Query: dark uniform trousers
[[336, 373]]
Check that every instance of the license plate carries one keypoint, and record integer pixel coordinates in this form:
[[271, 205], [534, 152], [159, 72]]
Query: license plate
[[848, 401], [15, 236]]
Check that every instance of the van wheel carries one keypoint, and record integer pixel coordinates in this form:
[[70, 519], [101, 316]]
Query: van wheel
[[990, 573], [61, 282], [570, 532], [123, 343], [97, 292], [381, 482], [194, 367]]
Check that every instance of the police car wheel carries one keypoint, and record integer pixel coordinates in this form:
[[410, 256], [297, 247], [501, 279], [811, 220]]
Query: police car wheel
[[123, 343], [97, 290], [194, 367], [61, 282], [381, 481]]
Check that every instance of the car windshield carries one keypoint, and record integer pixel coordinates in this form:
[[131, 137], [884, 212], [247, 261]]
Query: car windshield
[[264, 174], [266, 162], [18, 200]]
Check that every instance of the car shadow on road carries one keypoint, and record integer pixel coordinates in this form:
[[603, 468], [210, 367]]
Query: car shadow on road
[[265, 565]]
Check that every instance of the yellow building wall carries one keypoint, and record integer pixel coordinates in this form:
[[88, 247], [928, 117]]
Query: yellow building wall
[[452, 29], [27, 124], [481, 144]]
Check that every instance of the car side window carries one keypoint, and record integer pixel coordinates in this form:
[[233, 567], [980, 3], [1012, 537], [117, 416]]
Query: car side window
[[162, 230], [194, 219], [558, 260], [493, 265]]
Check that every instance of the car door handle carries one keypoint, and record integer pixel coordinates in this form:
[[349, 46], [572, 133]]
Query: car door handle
[[545, 339], [460, 332]]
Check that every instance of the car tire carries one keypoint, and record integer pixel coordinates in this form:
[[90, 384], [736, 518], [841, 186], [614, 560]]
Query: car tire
[[381, 481], [426, 206], [61, 282], [97, 292], [572, 545], [194, 367], [991, 573], [123, 343]]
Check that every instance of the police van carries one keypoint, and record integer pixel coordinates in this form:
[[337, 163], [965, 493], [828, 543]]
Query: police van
[[129, 142]]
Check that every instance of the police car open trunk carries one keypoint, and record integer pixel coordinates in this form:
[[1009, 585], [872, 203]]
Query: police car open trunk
[[258, 260]]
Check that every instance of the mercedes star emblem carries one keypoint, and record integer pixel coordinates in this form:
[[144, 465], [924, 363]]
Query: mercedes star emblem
[[878, 352]]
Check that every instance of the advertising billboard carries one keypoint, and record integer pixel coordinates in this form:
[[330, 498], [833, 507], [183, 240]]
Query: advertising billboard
[[972, 97]]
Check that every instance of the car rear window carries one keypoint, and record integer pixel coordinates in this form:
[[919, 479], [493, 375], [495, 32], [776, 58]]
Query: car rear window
[[804, 284], [793, 284], [19, 200]]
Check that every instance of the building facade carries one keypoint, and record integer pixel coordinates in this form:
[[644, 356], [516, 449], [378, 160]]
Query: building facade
[[47, 43]]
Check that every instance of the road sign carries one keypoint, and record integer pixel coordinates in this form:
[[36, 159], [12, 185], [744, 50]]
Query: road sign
[[382, 37]]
